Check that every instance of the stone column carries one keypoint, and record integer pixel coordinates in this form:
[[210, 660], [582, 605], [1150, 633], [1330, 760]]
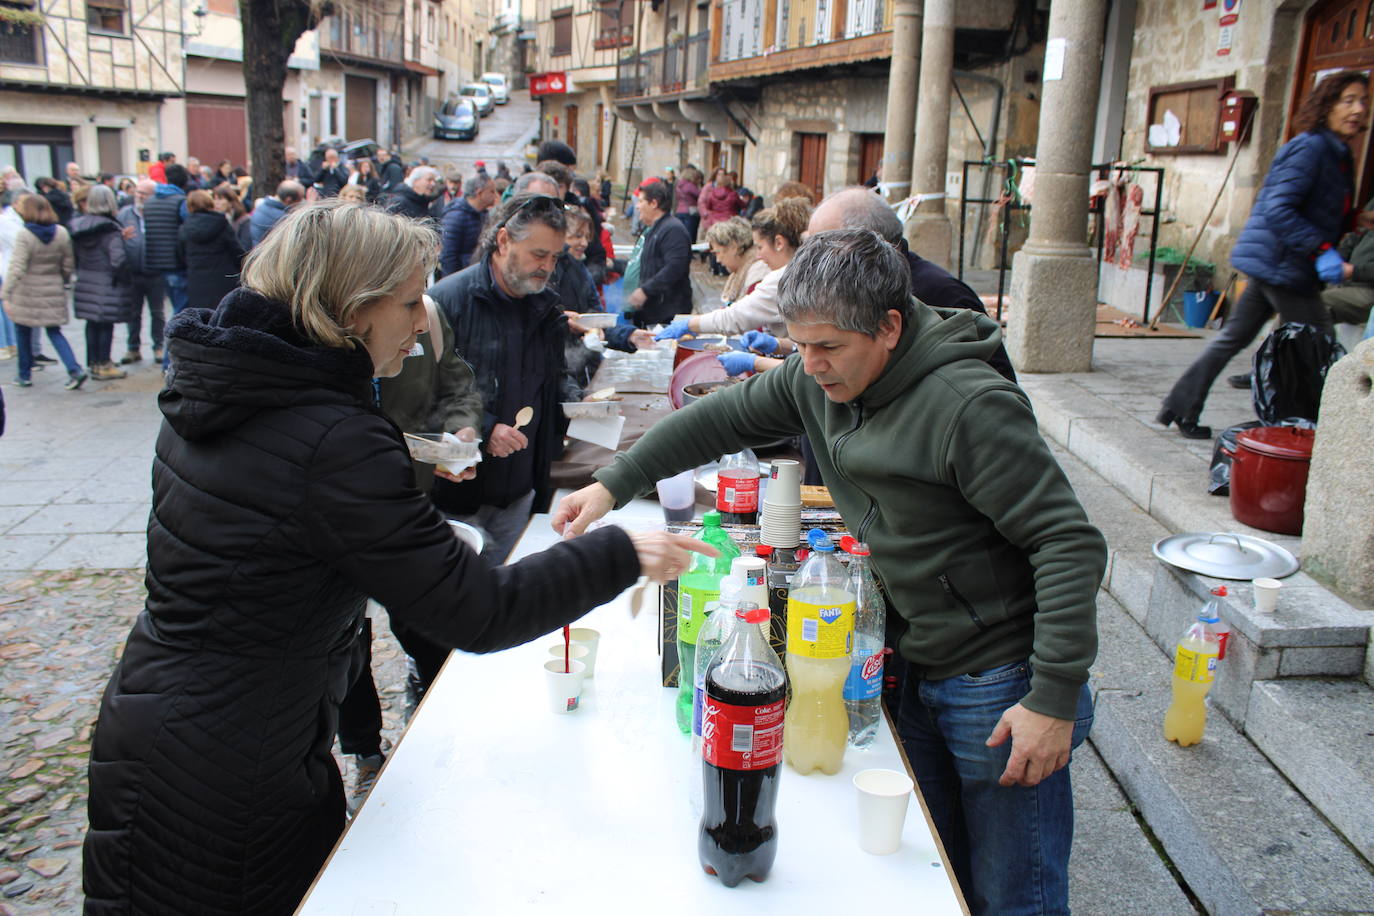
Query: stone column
[[1337, 537], [904, 71], [1054, 276], [928, 232]]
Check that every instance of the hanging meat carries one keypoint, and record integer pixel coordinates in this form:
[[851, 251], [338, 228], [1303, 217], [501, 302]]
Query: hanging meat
[[1130, 225], [1111, 218]]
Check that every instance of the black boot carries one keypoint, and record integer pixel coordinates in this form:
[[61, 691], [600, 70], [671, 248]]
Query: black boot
[[1188, 428]]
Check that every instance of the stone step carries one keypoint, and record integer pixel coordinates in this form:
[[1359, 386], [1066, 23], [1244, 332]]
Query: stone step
[[1320, 733], [1111, 851], [1243, 839]]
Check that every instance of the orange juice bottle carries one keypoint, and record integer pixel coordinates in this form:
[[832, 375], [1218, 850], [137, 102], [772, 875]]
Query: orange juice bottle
[[1195, 665]]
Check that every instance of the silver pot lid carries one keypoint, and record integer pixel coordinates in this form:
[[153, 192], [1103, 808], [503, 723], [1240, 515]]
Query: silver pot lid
[[1222, 555]]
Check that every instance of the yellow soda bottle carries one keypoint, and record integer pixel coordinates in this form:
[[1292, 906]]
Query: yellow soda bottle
[[820, 638], [1195, 666]]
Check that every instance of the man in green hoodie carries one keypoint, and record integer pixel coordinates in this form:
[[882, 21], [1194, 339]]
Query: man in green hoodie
[[936, 461]]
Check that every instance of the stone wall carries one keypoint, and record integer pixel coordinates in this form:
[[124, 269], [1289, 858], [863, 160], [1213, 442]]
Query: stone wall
[[1176, 41], [842, 108]]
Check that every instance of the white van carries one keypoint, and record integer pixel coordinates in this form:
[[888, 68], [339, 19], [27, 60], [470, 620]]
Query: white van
[[500, 94]]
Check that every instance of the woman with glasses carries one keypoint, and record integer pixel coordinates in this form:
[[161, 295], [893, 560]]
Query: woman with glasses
[[282, 500]]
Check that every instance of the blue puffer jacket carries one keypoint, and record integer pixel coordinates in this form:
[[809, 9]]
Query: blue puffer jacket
[[1301, 206]]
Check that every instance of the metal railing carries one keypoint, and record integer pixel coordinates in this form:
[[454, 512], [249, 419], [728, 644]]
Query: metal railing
[[677, 67]]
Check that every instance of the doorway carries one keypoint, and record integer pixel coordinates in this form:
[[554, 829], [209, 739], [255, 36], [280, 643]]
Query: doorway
[[811, 163], [570, 112], [1338, 35]]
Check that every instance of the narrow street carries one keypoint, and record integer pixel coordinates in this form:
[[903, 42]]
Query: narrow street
[[504, 135]]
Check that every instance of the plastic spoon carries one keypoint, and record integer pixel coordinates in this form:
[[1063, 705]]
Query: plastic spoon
[[523, 416]]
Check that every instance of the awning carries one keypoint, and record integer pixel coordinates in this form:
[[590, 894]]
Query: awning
[[415, 67]]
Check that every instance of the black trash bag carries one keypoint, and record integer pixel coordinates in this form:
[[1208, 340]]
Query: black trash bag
[[1220, 483], [1290, 370]]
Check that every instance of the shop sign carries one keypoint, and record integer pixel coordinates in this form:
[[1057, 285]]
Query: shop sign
[[554, 83]]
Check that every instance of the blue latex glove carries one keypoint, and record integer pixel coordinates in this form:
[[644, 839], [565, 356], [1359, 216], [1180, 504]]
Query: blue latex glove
[[737, 362], [1329, 264], [759, 342], [674, 330]]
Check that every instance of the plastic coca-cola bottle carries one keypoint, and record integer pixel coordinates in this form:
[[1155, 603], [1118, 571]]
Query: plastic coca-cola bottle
[[737, 489], [741, 731]]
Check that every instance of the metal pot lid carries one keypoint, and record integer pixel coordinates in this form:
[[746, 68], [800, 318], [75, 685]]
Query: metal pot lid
[[1222, 555]]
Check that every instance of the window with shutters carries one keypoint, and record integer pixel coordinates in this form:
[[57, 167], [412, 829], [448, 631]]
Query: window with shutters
[[562, 31], [106, 15], [616, 25]]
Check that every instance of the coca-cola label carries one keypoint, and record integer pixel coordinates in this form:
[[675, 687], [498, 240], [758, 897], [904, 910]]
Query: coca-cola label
[[737, 494], [741, 737]]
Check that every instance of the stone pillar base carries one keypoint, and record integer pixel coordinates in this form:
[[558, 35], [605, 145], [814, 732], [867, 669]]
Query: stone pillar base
[[1054, 312], [931, 235]]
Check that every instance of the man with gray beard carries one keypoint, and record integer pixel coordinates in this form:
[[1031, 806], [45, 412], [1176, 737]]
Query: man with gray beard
[[511, 330]]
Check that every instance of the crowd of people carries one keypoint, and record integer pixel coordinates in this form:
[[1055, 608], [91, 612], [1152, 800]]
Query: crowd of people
[[366, 299]]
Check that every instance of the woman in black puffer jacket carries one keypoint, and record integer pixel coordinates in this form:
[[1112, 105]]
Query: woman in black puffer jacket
[[103, 295], [211, 251], [282, 499]]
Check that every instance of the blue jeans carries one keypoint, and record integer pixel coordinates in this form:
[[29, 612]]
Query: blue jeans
[[1009, 846], [179, 293], [59, 343], [8, 336]]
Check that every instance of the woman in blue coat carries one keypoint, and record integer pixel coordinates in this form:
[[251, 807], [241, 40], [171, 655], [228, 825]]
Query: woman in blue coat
[[1288, 246]]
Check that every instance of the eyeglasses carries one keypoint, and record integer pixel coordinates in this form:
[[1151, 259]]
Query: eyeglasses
[[534, 202]]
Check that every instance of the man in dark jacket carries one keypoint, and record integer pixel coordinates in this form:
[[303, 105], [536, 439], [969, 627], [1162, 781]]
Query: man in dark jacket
[[148, 285], [270, 210], [510, 329], [162, 219], [984, 551], [414, 198], [390, 171], [862, 208], [297, 169], [332, 175], [664, 289], [61, 201], [462, 224]]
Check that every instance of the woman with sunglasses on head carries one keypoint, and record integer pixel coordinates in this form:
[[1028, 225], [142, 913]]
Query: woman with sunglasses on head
[[282, 500]]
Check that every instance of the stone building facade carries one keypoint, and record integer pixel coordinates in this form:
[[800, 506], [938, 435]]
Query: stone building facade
[[85, 83]]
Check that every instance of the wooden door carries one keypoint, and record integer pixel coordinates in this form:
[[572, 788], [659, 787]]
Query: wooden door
[[360, 108], [811, 163], [600, 134], [571, 114], [216, 128], [870, 155], [111, 143], [1338, 35]]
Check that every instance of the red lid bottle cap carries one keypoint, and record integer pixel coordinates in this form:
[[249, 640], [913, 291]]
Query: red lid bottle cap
[[753, 614], [763, 550], [1220, 591]]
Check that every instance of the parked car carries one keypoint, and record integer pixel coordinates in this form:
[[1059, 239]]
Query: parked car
[[480, 93], [500, 92], [457, 119], [348, 151]]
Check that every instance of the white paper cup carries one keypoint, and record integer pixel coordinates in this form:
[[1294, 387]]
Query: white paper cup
[[589, 639], [784, 483], [678, 495], [576, 653], [883, 798], [1266, 595], [565, 688]]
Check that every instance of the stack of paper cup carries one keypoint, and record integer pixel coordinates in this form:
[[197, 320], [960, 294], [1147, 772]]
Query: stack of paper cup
[[780, 512]]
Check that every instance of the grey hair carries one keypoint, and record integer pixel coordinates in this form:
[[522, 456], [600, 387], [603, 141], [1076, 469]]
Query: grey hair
[[522, 184], [329, 259], [731, 233], [865, 209], [850, 278], [101, 201], [421, 171], [476, 184], [518, 215]]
